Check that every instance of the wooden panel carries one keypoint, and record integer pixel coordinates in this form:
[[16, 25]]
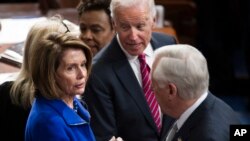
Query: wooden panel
[[67, 3], [47, 5], [67, 13], [10, 10], [167, 30], [182, 15]]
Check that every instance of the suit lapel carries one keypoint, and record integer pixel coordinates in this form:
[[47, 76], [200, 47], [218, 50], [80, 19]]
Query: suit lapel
[[191, 122], [133, 88], [130, 82]]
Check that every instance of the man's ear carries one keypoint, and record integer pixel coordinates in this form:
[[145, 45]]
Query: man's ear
[[113, 24], [154, 23], [172, 89]]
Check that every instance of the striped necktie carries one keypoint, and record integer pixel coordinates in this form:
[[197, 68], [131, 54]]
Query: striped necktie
[[149, 94]]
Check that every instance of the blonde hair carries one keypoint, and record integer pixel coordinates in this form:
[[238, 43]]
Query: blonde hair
[[22, 88], [47, 57]]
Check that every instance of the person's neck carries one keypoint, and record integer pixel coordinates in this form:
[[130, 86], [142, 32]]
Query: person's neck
[[69, 101], [183, 105]]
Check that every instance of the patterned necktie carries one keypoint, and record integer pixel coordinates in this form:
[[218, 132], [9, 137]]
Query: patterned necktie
[[149, 94]]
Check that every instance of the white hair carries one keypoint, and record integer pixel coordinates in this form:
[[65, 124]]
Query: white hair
[[116, 4], [183, 65]]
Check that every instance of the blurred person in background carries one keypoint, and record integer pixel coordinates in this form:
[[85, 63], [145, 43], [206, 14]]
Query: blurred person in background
[[95, 23]]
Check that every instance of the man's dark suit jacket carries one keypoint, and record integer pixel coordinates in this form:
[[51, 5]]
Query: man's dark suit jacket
[[209, 122], [115, 99]]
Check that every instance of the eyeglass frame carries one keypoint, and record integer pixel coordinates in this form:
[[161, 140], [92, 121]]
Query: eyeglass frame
[[66, 27]]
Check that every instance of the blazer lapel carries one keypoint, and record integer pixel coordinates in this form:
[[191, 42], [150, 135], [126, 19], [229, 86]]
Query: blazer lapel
[[190, 124], [133, 88], [130, 82]]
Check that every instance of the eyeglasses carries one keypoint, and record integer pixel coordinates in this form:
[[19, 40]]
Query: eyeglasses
[[65, 27]]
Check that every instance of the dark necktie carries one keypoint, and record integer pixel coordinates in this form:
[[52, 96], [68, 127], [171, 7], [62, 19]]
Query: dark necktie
[[149, 94]]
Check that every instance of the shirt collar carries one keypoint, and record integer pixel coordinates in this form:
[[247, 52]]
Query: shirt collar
[[190, 110], [149, 52]]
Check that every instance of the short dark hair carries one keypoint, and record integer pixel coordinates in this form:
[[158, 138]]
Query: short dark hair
[[95, 5]]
